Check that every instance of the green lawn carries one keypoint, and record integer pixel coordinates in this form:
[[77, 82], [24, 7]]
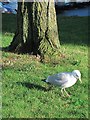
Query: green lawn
[[24, 92]]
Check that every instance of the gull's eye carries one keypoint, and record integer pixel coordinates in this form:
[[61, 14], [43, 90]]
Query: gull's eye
[[77, 75]]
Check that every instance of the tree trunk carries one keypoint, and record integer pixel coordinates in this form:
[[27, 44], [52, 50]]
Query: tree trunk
[[36, 29]]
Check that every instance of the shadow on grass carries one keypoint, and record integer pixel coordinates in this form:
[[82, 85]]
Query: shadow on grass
[[5, 49], [33, 86], [9, 23]]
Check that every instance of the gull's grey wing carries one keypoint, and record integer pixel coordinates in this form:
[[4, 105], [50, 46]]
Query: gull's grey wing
[[58, 79], [63, 76]]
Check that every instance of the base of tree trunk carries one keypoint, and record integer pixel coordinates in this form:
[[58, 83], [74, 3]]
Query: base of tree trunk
[[36, 32]]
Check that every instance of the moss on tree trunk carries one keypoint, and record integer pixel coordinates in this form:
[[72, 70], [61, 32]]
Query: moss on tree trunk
[[36, 29]]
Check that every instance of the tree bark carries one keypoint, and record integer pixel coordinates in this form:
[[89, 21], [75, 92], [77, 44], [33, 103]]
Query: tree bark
[[36, 29]]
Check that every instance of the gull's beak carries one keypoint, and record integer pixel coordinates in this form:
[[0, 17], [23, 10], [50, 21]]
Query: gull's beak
[[80, 80]]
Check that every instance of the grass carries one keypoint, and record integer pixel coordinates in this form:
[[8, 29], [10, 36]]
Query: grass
[[24, 92]]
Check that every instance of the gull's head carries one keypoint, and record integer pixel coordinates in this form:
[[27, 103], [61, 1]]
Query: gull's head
[[77, 74]]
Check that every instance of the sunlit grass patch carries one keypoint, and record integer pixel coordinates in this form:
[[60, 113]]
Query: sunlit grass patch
[[25, 95]]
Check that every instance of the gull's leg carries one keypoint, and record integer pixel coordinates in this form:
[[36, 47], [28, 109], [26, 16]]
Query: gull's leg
[[66, 92], [62, 92]]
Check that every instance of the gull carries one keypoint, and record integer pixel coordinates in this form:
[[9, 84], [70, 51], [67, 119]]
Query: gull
[[64, 80]]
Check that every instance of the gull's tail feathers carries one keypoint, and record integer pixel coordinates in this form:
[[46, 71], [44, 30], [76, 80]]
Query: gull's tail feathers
[[47, 80]]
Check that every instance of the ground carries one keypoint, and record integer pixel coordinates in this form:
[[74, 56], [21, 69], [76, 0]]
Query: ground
[[25, 95]]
